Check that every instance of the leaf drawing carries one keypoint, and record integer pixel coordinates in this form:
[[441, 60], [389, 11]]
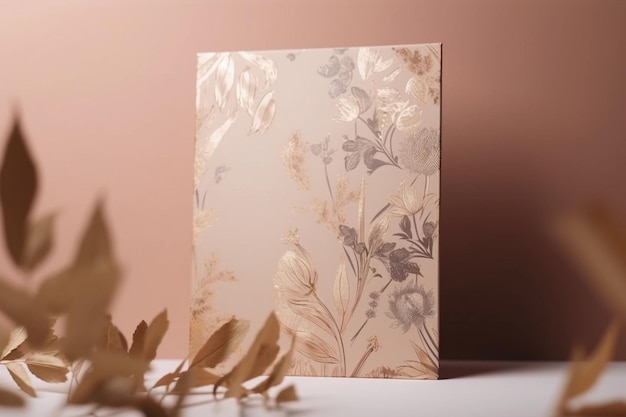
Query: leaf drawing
[[264, 114], [246, 90], [341, 292], [264, 64], [224, 80]]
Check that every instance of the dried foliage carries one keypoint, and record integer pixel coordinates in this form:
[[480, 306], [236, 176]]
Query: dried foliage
[[597, 242], [104, 369]]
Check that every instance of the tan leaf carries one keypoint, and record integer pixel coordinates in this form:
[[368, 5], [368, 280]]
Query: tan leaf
[[16, 338], [596, 241], [259, 356], [20, 307], [106, 367], [112, 339], [139, 335], [315, 348], [21, 378], [584, 372], [154, 335], [264, 114], [295, 313], [10, 399], [18, 187], [246, 90], [264, 64], [183, 386], [415, 369], [377, 233], [48, 368], [611, 409], [170, 377], [197, 377], [341, 291], [224, 79], [39, 242], [287, 394], [295, 275], [221, 344], [278, 372], [5, 338], [85, 289]]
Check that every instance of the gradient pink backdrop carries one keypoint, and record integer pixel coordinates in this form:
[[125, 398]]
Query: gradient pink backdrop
[[534, 116]]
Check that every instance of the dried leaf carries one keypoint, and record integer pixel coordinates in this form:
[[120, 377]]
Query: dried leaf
[[154, 335], [264, 114], [48, 368], [139, 335], [224, 80], [170, 376], [20, 307], [221, 344], [341, 291], [260, 355], [18, 187], [611, 409], [597, 243], [112, 339], [287, 394], [21, 378], [10, 399], [278, 372], [264, 64], [16, 338], [85, 289], [584, 373], [246, 90], [105, 367], [183, 386], [39, 242]]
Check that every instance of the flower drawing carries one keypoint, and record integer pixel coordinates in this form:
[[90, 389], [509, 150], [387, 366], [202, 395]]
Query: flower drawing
[[409, 200], [400, 264], [420, 152], [410, 306]]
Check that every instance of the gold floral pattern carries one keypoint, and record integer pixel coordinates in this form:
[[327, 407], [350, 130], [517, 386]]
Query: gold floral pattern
[[339, 207]]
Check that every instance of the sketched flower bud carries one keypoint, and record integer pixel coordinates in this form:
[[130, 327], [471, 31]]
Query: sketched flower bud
[[429, 229]]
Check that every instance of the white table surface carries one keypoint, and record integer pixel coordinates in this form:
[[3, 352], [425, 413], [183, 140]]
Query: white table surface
[[466, 389]]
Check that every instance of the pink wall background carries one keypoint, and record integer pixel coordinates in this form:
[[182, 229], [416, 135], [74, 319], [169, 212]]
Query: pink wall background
[[534, 116]]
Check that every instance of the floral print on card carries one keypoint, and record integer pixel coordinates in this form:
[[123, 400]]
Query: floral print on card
[[316, 193]]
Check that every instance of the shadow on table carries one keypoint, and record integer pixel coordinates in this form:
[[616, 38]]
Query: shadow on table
[[463, 369]]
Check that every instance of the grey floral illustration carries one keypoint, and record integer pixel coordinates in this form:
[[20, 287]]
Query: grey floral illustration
[[410, 306], [400, 265], [420, 153], [341, 72], [220, 171]]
